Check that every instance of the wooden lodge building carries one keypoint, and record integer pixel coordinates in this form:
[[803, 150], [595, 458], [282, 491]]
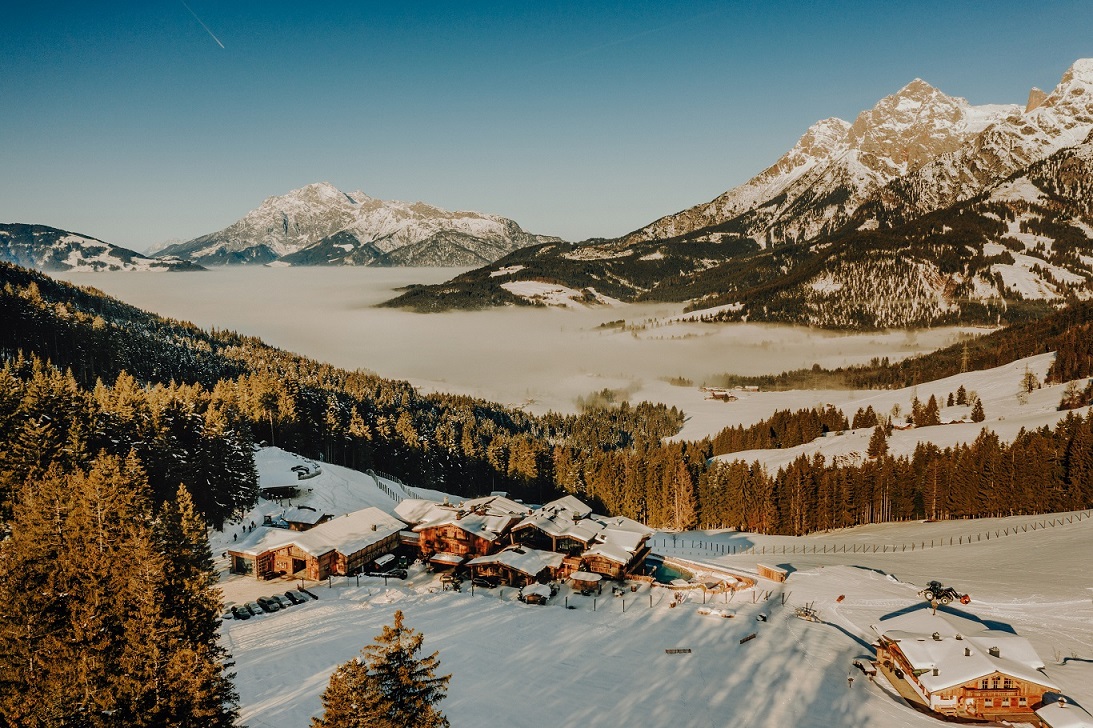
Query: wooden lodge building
[[338, 546], [956, 666], [612, 546], [517, 565], [448, 535]]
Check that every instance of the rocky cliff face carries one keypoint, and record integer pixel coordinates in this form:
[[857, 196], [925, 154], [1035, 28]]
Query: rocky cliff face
[[321, 225], [1051, 122]]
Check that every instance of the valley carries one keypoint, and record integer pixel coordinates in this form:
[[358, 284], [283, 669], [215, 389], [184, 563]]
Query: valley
[[537, 358]]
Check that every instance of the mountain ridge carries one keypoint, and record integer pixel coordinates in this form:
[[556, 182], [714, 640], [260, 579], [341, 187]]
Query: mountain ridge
[[318, 224], [839, 196]]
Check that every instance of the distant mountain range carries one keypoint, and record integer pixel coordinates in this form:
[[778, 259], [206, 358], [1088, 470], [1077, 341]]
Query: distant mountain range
[[321, 225], [49, 249], [924, 210]]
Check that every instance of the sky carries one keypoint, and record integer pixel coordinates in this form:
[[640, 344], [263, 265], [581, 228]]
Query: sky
[[147, 121]]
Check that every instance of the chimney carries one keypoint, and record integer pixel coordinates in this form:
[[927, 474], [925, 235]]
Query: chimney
[[967, 652], [935, 672], [1062, 702], [373, 527], [994, 652], [937, 637]]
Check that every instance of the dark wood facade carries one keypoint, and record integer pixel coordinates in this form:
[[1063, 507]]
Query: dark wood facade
[[994, 696]]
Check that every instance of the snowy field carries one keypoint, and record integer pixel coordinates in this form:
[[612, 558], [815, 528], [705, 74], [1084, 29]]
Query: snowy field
[[540, 359], [520, 665]]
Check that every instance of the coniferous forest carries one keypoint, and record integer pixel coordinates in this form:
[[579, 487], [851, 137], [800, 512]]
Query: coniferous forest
[[122, 434]]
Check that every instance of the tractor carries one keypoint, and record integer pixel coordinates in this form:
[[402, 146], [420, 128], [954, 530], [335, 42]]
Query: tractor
[[936, 593]]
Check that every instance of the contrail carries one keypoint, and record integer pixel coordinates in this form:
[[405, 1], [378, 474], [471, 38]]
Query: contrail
[[202, 24]]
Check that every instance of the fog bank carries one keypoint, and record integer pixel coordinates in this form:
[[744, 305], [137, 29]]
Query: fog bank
[[538, 358]]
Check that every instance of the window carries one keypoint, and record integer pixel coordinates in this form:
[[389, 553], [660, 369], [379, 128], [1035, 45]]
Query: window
[[1007, 683], [1022, 702], [985, 684], [1005, 702], [988, 702]]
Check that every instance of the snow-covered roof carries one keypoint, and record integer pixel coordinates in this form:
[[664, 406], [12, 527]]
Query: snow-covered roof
[[445, 557], [541, 589], [499, 513], [614, 537], [1068, 716], [525, 560], [489, 528], [960, 649], [346, 534], [302, 514]]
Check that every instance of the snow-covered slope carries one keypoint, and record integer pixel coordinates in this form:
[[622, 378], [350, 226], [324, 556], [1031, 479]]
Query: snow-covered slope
[[321, 225], [49, 249], [1048, 123], [835, 166], [642, 659]]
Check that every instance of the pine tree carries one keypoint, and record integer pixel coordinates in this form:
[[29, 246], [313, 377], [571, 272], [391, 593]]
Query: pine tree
[[388, 686], [878, 443], [961, 395], [191, 609], [978, 415]]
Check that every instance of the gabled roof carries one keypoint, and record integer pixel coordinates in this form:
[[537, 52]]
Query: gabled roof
[[960, 649], [346, 534], [614, 537], [489, 528], [525, 560]]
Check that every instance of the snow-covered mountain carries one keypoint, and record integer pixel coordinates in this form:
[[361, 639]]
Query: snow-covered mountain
[[815, 187], [924, 210], [321, 225], [49, 249]]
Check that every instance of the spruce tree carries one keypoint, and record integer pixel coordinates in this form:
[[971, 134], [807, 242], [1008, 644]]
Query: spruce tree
[[878, 443], [978, 415], [388, 686]]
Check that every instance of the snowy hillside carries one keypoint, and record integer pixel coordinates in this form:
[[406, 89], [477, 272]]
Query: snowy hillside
[[321, 225], [836, 166], [49, 249], [606, 660], [1006, 413]]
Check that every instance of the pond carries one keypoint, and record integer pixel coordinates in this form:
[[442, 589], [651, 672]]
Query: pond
[[665, 573]]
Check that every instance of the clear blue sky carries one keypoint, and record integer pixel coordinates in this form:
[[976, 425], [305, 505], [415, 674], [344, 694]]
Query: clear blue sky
[[129, 122]]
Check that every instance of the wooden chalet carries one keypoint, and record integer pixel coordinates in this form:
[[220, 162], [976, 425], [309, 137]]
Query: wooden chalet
[[470, 529], [338, 546], [612, 546], [518, 565], [958, 667]]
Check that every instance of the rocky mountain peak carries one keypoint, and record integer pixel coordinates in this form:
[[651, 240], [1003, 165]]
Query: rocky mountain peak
[[1036, 97], [914, 125]]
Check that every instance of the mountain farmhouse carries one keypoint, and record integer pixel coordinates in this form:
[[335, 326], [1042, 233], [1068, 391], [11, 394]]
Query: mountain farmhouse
[[958, 667]]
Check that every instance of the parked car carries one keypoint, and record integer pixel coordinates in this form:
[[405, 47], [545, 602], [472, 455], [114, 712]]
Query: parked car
[[295, 597], [487, 582], [253, 608], [240, 612], [268, 605], [280, 601]]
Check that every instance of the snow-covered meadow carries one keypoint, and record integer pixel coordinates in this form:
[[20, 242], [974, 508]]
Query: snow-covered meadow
[[522, 665]]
